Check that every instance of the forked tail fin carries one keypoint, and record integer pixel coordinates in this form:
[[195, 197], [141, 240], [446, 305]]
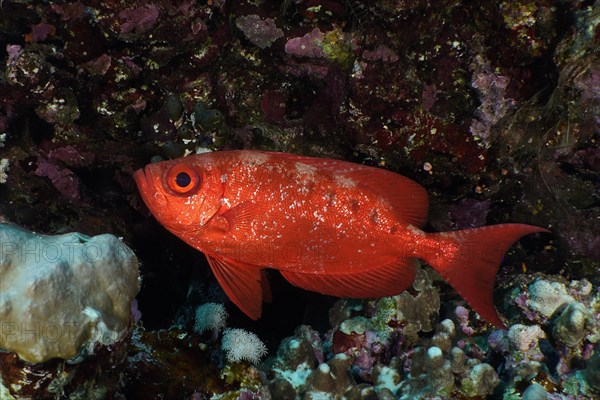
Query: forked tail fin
[[469, 259]]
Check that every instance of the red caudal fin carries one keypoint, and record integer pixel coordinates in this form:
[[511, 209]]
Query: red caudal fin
[[469, 259]]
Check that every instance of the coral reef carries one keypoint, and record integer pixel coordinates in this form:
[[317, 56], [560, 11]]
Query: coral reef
[[451, 362]]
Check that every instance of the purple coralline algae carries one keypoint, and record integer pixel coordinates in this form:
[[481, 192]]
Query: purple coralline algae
[[138, 19], [492, 94], [63, 179], [261, 32], [310, 45], [382, 52]]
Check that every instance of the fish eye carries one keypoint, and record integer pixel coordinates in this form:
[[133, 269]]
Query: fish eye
[[182, 179]]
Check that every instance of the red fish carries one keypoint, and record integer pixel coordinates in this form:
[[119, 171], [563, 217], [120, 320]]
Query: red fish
[[329, 226]]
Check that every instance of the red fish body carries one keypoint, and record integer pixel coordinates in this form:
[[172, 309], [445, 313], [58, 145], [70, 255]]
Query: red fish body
[[328, 226]]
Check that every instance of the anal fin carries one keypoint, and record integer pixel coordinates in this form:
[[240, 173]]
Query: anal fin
[[387, 280]]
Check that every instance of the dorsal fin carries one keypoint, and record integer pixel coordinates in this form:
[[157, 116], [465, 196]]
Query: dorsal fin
[[408, 199]]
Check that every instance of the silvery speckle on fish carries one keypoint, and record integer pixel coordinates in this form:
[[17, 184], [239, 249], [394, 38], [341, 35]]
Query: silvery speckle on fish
[[329, 226]]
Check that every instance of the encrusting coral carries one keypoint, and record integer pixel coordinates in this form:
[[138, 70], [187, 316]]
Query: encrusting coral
[[60, 296], [64, 298]]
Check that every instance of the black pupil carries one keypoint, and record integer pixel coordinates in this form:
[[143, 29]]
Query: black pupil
[[183, 179]]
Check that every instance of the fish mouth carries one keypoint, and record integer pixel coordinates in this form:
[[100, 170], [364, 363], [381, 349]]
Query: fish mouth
[[148, 183], [140, 179], [147, 186]]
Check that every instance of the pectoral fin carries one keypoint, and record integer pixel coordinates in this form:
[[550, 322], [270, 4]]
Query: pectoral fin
[[240, 216]]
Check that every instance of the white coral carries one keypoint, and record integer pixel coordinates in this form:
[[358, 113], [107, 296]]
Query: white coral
[[4, 167], [524, 337], [546, 297], [210, 316], [239, 345]]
